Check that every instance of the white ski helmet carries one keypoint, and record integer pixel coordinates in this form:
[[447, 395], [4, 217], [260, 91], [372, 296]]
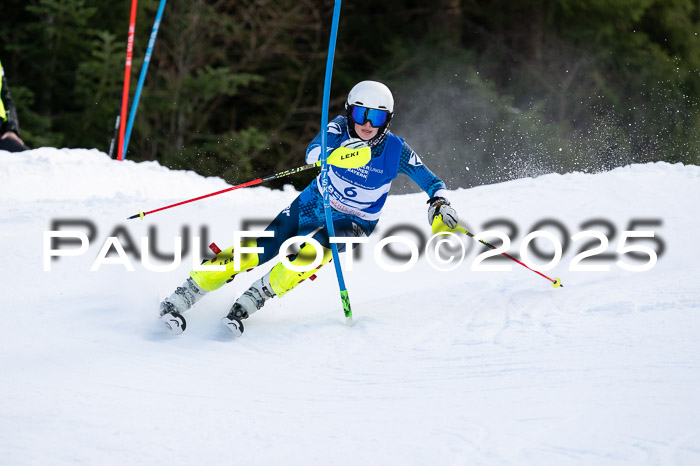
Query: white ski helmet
[[370, 95]]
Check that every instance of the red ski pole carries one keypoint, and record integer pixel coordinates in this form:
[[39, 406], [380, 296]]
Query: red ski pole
[[127, 75], [556, 282], [343, 157], [243, 185]]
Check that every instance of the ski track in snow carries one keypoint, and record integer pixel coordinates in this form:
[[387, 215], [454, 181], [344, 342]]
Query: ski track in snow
[[453, 368]]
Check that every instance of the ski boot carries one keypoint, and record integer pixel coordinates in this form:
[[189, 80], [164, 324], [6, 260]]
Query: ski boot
[[182, 299], [250, 301]]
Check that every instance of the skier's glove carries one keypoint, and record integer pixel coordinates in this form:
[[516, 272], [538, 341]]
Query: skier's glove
[[353, 143], [441, 216]]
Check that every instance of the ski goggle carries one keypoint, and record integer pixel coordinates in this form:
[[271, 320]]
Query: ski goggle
[[362, 115]]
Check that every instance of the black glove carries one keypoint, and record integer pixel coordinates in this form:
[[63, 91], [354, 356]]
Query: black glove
[[441, 206]]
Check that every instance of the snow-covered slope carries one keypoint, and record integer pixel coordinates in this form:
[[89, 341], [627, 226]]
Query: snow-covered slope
[[456, 367]]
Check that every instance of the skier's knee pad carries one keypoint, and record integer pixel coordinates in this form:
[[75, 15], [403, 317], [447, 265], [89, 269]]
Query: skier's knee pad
[[283, 279], [211, 280]]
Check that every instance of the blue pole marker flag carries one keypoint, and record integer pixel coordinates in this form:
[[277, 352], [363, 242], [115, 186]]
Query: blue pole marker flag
[[324, 165], [142, 76]]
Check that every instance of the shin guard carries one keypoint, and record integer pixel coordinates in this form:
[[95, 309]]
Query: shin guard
[[214, 279], [283, 280]]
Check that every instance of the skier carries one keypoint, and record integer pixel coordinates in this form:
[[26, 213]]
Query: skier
[[9, 126], [357, 197]]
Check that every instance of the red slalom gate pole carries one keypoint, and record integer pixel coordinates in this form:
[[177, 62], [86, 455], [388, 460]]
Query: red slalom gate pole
[[127, 75]]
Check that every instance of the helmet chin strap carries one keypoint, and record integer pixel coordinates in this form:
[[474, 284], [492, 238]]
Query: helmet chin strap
[[381, 134]]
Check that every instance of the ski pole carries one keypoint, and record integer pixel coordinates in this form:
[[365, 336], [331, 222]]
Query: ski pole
[[556, 282], [114, 137], [342, 157]]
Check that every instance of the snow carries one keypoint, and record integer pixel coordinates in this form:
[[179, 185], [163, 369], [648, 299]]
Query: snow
[[458, 367]]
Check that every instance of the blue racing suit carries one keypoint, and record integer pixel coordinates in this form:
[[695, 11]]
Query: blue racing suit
[[357, 195]]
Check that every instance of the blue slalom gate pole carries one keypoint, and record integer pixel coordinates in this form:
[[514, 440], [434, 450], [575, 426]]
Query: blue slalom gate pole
[[324, 166], [142, 76]]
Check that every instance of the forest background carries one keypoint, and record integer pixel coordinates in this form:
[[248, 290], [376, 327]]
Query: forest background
[[485, 91]]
